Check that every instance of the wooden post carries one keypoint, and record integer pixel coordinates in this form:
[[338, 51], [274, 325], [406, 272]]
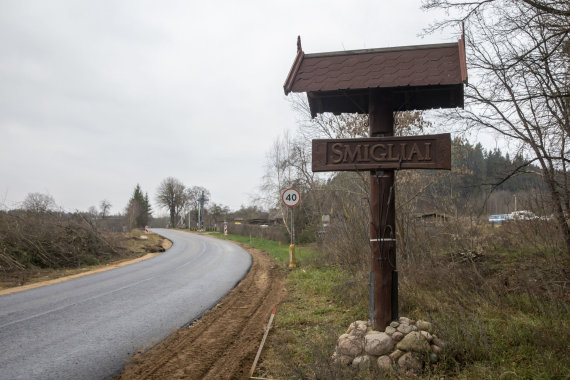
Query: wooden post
[[383, 276]]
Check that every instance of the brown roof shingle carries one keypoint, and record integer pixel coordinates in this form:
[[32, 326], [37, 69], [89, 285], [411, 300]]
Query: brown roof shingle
[[324, 76]]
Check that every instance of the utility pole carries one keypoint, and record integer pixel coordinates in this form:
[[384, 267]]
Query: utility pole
[[202, 200]]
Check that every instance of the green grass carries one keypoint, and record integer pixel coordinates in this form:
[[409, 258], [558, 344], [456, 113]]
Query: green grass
[[312, 316], [507, 314], [499, 339], [278, 251], [307, 324]]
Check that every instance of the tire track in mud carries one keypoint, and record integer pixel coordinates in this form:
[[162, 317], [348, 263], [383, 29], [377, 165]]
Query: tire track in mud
[[222, 344]]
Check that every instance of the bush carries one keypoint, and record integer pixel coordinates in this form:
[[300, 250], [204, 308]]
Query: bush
[[51, 240]]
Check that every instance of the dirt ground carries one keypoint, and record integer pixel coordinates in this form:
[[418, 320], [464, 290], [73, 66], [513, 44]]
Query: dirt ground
[[223, 343]]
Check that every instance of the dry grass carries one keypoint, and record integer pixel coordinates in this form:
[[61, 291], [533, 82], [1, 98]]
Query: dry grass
[[501, 303], [125, 246]]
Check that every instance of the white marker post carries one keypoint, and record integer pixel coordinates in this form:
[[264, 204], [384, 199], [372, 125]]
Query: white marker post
[[291, 198]]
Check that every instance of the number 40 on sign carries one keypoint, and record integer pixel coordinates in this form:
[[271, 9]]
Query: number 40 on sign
[[291, 197]]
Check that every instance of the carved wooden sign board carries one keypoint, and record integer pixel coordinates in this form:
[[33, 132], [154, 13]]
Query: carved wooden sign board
[[383, 153]]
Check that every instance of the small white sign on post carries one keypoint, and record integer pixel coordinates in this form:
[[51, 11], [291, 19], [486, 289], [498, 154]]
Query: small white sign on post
[[225, 229]]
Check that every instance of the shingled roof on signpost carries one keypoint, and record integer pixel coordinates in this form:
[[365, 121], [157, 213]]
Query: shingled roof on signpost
[[416, 77]]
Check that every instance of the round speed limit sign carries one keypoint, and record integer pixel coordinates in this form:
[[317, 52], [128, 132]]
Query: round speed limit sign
[[291, 197]]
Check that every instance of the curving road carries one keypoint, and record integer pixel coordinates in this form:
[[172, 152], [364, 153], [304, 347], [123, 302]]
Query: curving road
[[89, 327]]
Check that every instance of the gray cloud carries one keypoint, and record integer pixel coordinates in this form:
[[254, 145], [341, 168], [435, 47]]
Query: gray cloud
[[98, 96]]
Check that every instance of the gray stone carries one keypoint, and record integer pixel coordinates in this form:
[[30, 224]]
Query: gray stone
[[409, 362], [426, 335], [350, 346], [414, 327], [436, 349], [405, 320], [414, 341], [425, 326], [394, 324], [358, 328], [378, 344], [404, 328], [361, 362], [397, 336], [433, 357], [396, 355], [390, 330], [343, 360], [385, 363], [438, 342]]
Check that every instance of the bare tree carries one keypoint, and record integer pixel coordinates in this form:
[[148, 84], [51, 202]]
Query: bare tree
[[92, 212], [38, 202], [171, 195], [194, 193], [218, 213], [320, 188], [518, 59], [105, 206], [279, 175], [326, 125]]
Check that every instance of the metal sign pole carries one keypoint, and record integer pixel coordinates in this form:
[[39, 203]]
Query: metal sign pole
[[292, 240], [291, 198], [292, 263]]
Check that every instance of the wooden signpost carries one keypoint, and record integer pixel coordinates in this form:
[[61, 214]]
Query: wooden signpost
[[380, 82]]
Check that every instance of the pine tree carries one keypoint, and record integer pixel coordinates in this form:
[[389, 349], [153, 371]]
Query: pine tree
[[138, 209]]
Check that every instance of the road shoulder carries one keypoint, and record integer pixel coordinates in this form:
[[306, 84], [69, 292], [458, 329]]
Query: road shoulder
[[222, 344]]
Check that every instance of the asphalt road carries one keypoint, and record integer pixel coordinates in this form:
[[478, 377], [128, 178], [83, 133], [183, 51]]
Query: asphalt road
[[89, 327]]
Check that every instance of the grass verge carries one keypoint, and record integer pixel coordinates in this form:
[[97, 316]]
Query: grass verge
[[307, 322], [505, 316], [280, 252]]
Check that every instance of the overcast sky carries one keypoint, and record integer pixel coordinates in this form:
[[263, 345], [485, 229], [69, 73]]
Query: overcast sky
[[97, 96]]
